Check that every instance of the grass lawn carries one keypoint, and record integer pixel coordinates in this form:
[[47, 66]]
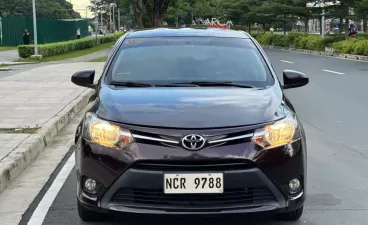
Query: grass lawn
[[4, 65], [102, 59], [5, 48], [19, 131], [73, 54]]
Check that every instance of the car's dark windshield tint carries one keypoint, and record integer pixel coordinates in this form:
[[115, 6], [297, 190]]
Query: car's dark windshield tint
[[184, 59]]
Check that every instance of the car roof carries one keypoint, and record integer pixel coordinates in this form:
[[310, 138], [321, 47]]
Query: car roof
[[188, 32]]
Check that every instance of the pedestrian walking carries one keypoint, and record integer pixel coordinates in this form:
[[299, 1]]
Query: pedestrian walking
[[26, 37], [271, 30], [78, 33]]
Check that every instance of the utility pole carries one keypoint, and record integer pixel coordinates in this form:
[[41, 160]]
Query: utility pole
[[101, 17], [110, 18], [113, 17], [96, 25], [119, 18], [35, 27], [323, 20]]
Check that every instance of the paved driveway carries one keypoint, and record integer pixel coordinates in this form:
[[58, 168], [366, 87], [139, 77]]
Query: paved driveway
[[8, 56]]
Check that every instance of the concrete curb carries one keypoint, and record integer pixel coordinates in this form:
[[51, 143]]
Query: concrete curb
[[19, 63], [23, 155], [323, 53]]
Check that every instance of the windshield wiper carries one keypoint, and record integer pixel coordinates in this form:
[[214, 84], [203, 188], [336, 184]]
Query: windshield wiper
[[218, 83], [177, 85], [130, 84]]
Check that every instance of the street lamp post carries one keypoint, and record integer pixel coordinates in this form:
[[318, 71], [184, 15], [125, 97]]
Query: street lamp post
[[35, 27], [119, 25], [323, 20], [113, 5], [96, 25]]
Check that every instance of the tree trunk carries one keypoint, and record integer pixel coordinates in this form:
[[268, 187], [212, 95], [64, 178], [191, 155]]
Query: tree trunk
[[346, 28], [138, 13], [346, 10], [140, 20], [284, 24], [341, 24], [154, 20], [264, 28], [285, 28], [306, 25], [365, 26], [249, 29], [159, 20]]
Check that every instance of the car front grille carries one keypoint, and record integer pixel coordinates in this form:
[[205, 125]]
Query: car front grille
[[230, 197], [193, 165]]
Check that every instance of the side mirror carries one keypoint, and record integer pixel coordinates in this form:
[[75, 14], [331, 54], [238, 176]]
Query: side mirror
[[84, 78], [294, 79]]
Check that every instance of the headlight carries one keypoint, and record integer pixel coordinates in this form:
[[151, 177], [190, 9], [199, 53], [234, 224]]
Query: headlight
[[277, 134], [104, 133]]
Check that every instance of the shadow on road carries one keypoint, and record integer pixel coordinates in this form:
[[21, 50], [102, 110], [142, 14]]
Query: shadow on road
[[194, 220]]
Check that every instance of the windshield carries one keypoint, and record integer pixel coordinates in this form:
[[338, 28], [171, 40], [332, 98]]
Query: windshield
[[186, 59]]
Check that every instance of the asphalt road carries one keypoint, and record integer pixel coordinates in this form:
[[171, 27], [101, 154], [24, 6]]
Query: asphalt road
[[333, 108]]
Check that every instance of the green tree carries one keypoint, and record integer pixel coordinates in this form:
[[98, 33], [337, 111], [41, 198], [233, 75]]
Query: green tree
[[156, 10], [247, 12], [187, 10], [361, 10], [202, 8], [51, 9], [179, 10]]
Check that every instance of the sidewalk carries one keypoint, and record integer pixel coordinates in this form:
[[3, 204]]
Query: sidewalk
[[8, 56], [41, 101]]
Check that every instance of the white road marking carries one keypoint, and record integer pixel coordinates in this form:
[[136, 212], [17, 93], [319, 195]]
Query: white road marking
[[334, 57], [286, 61], [330, 71], [39, 214]]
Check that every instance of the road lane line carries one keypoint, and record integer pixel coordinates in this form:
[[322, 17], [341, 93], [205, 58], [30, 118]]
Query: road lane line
[[286, 61], [42, 209], [330, 71]]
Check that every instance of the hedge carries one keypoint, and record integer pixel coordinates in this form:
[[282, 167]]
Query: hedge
[[354, 46], [59, 48], [357, 46], [233, 27]]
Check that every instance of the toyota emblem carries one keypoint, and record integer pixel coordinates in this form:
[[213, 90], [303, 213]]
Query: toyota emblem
[[193, 142]]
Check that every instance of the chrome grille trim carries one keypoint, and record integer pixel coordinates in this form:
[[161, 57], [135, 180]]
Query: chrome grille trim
[[231, 138], [154, 139]]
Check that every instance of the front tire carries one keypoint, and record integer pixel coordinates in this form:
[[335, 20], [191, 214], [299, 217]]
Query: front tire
[[89, 215], [292, 215]]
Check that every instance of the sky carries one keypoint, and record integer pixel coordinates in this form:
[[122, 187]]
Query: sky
[[80, 6]]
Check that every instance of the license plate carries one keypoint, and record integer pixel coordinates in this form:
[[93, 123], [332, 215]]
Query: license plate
[[194, 183]]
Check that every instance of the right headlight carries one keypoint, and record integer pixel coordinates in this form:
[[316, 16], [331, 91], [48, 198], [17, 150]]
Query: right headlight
[[104, 133], [280, 133]]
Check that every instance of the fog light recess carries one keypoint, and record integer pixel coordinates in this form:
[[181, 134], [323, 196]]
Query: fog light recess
[[90, 185], [294, 185]]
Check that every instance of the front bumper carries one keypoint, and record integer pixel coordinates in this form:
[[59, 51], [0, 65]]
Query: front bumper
[[132, 184], [246, 189]]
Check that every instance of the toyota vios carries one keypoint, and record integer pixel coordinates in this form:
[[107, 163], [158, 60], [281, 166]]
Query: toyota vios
[[186, 121]]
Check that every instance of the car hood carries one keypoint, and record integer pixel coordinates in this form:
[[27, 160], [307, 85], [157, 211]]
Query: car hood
[[189, 108]]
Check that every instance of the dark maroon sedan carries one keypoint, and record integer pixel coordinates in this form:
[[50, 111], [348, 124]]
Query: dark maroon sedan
[[187, 121]]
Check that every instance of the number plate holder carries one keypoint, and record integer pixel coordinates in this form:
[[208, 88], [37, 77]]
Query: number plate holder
[[193, 183]]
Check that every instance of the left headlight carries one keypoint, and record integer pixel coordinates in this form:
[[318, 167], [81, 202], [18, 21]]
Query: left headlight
[[280, 133], [104, 133]]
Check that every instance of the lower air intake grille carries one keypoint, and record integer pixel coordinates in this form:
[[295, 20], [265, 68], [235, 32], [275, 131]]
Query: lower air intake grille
[[230, 197]]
